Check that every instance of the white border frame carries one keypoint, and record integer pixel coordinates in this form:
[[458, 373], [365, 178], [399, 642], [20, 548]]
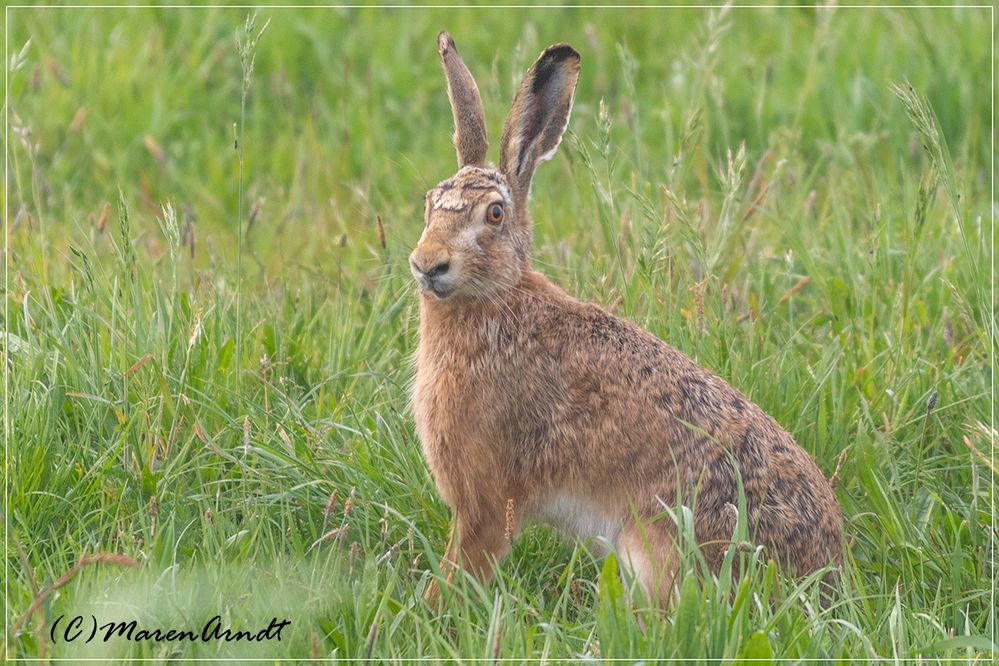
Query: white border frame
[[6, 253]]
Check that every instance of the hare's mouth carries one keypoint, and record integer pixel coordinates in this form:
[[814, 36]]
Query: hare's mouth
[[436, 287], [441, 293]]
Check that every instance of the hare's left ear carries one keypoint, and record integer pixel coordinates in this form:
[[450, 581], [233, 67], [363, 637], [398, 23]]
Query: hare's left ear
[[539, 115], [470, 140]]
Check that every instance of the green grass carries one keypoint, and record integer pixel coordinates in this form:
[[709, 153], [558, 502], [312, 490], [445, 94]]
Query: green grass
[[747, 186]]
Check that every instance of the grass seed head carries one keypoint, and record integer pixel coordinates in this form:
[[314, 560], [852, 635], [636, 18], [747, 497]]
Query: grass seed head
[[509, 520]]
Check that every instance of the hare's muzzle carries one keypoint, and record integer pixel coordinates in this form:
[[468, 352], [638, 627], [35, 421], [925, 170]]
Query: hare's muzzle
[[432, 272]]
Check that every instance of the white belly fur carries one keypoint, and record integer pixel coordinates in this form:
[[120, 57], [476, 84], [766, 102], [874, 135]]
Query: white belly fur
[[579, 517]]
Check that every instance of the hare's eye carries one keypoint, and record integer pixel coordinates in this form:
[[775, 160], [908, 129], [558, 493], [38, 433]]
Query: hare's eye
[[494, 214]]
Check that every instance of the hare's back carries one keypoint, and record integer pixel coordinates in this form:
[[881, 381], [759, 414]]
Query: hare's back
[[639, 414]]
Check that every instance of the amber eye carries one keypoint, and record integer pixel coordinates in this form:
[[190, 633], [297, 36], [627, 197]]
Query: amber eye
[[494, 214]]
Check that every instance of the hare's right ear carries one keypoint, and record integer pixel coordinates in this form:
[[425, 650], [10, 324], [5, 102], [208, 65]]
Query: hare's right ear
[[470, 140], [539, 115]]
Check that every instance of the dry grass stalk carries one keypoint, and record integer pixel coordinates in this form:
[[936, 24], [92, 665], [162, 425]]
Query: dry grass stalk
[[286, 439], [764, 188], [798, 286], [381, 231], [117, 559], [78, 119], [393, 549], [383, 524], [834, 479], [348, 506], [254, 213], [154, 149], [330, 503], [141, 362], [372, 634], [102, 220], [984, 458], [335, 533], [497, 641]]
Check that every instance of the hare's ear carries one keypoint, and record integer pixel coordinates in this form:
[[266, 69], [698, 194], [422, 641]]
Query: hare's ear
[[539, 115], [470, 140]]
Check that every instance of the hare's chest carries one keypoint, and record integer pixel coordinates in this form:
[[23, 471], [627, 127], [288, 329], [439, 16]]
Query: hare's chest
[[446, 402], [458, 382], [452, 416]]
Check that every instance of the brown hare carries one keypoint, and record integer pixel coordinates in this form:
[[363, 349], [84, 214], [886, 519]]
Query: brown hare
[[531, 405]]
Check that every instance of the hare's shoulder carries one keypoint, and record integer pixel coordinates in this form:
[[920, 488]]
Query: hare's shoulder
[[590, 333]]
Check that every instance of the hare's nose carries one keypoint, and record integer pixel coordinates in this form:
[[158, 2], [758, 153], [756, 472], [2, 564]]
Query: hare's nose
[[434, 270], [438, 270]]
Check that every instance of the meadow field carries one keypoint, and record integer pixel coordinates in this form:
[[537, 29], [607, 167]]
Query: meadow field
[[209, 319]]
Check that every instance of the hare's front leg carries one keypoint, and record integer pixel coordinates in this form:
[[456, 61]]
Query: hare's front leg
[[478, 541]]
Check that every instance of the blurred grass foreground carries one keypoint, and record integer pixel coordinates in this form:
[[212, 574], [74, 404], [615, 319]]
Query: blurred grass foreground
[[209, 320]]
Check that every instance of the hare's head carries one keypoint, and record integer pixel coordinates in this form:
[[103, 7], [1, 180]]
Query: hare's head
[[477, 237]]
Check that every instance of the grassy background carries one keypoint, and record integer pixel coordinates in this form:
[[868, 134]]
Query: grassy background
[[745, 185]]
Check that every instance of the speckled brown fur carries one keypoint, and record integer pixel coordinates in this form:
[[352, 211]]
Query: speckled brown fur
[[580, 418]]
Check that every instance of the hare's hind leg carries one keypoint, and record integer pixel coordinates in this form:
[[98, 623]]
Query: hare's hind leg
[[650, 554]]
